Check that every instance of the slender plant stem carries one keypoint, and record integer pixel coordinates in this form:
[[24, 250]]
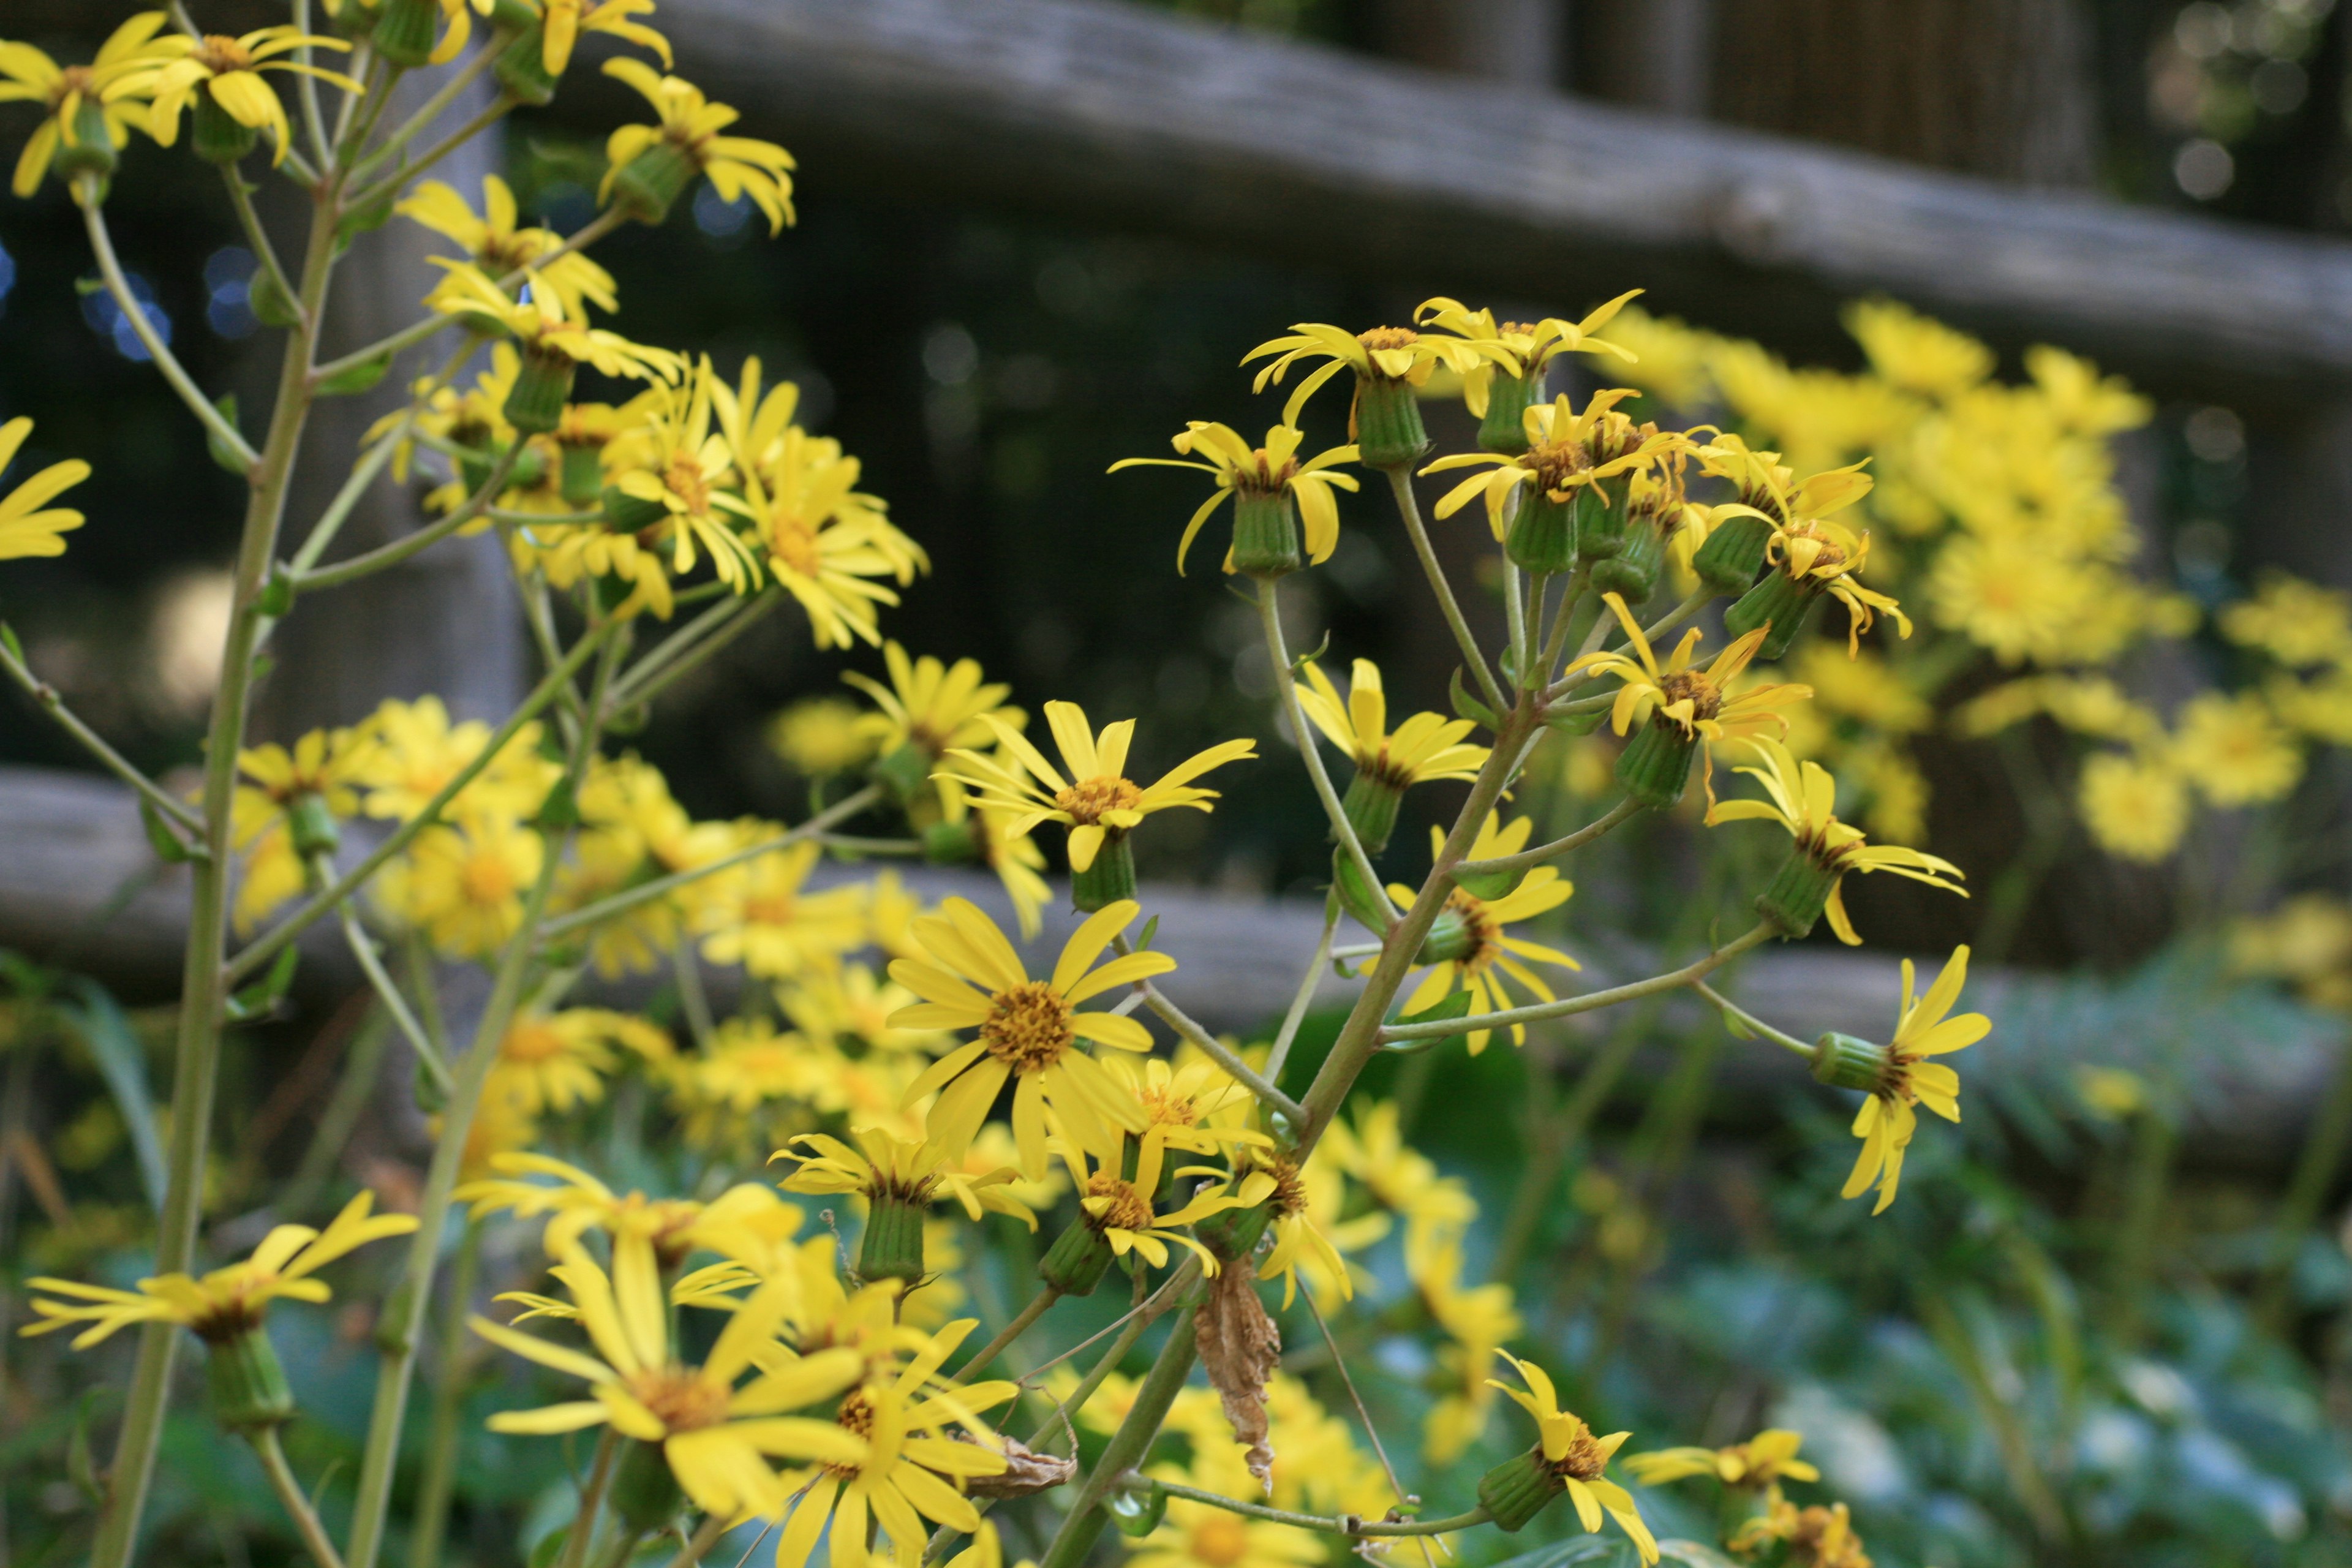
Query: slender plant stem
[[1037, 1309], [1363, 1416], [204, 980], [259, 952], [706, 1536], [1285, 680], [1409, 509], [368, 563], [847, 805], [1127, 1448], [364, 473], [1623, 812], [289, 1496], [1208, 1045], [2315, 1172], [430, 1524], [1569, 1007], [692, 999], [102, 244], [498, 110], [114, 762], [1346, 1524], [427, 113], [592, 1501], [1731, 1009], [1570, 680], [632, 694], [240, 196], [387, 991], [659, 656], [314, 119], [1305, 996]]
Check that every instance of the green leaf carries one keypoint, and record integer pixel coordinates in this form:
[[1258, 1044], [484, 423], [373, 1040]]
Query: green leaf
[[82, 1465], [86, 287], [1739, 1031], [356, 378], [222, 453], [262, 668], [260, 999], [1469, 707], [1151, 930], [169, 847], [277, 596], [8, 637], [560, 809], [1487, 884], [122, 1061]]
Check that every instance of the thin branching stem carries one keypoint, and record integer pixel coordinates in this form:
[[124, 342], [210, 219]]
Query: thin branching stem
[[1409, 509], [1208, 1046], [1279, 1053], [368, 563], [414, 125], [109, 268], [1732, 1010], [114, 762], [240, 196], [1623, 812], [1285, 680], [1038, 1306], [1344, 1524], [1568, 1007], [290, 1496], [388, 990]]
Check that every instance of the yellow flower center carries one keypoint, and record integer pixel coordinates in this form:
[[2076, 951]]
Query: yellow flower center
[[856, 1415], [1380, 338], [1219, 1540], [1086, 800], [1289, 1195], [1028, 1027], [1127, 1209], [1706, 698], [770, 909], [487, 880], [794, 542], [220, 53], [1583, 1460], [1163, 1106], [1555, 463], [70, 80], [532, 1042], [681, 1398], [684, 480]]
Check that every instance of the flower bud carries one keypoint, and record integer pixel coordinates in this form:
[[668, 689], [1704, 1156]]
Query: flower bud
[[313, 826], [1800, 890], [1509, 398], [1655, 767], [1601, 520], [645, 186], [246, 1382], [1543, 539], [403, 32], [1633, 573], [1782, 603], [1078, 1260], [892, 1246], [902, 771], [542, 385], [1516, 1490], [1265, 535], [625, 513], [1844, 1062], [582, 471], [1368, 905], [1371, 807], [220, 137], [521, 65], [1450, 938], [643, 1491], [1109, 878], [92, 149], [1389, 432], [1732, 554]]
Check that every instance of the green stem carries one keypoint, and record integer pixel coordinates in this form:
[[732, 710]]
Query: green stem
[[1208, 1046], [241, 197], [1409, 509], [2148, 1179], [427, 113], [592, 1501], [1037, 1309], [1305, 997], [1269, 615], [1591, 1001], [114, 762], [1623, 812], [2315, 1172], [1650, 634], [1572, 598], [1127, 1448], [429, 1526], [1346, 1524], [387, 992], [215, 423], [706, 1537], [204, 979], [1731, 1009], [289, 1496], [636, 690], [692, 999], [368, 562]]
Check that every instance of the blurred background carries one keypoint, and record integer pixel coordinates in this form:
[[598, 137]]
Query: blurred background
[[2106, 1323]]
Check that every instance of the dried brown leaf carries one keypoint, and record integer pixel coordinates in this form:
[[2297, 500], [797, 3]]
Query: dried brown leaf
[[1026, 1471], [1241, 1348]]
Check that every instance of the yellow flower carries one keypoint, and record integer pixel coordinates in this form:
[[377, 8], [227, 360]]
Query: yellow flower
[[1761, 1461], [1914, 351], [229, 70], [631, 830], [1371, 1148], [1476, 1321], [2012, 597], [826, 541], [495, 245], [1390, 354], [821, 736], [555, 1061], [917, 1173], [1196, 1535], [907, 1470], [1470, 949], [1770, 489], [1575, 1456], [930, 706], [29, 524], [1813, 1536], [1804, 801], [737, 166], [1424, 747], [2078, 400], [1192, 1105], [563, 22], [1015, 857], [2235, 752], [114, 88], [2137, 807], [2297, 623], [1701, 703], [1828, 558], [462, 885], [287, 813], [227, 1301], [852, 1007], [544, 321], [1098, 801], [716, 1436], [1567, 451], [658, 1228], [1122, 1209], [1906, 1078], [1532, 344], [418, 751], [1262, 475], [1029, 1029], [763, 916], [1304, 1208]]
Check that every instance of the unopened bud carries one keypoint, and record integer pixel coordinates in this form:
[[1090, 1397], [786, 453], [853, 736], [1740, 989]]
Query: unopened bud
[[1388, 431], [246, 1382], [1109, 878], [1655, 767], [1518, 1489]]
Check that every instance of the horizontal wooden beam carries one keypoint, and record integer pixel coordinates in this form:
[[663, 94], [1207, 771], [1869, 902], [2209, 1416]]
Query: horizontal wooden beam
[[79, 887], [1122, 115]]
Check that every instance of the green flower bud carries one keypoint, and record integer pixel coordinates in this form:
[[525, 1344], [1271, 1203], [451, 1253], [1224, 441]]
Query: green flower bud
[[1078, 1260], [625, 513], [1655, 767], [583, 473], [1732, 554], [1633, 573], [1845, 1062], [645, 186], [1109, 878], [91, 151], [1516, 1490], [1800, 890], [521, 65], [1782, 603], [313, 826], [1509, 398], [403, 32], [1601, 520], [220, 137], [1371, 807], [246, 1382], [535, 403], [892, 1246], [1388, 431], [1542, 537], [1368, 905], [1265, 535], [1451, 937]]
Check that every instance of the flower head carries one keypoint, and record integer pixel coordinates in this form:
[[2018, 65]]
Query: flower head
[[1574, 1454], [763, 916], [1470, 947], [563, 22], [556, 1061], [495, 244], [227, 1301], [284, 812], [737, 166], [1701, 703], [1123, 1209], [1424, 747], [116, 85], [29, 524], [1393, 355], [1760, 1462], [229, 70], [1906, 1078], [1532, 344], [1567, 451], [929, 705], [1268, 473], [884, 1166], [463, 884], [1029, 1030], [547, 318], [1098, 799]]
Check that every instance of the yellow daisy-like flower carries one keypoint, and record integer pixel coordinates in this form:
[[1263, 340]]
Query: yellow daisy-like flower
[[288, 813], [1195, 1105], [1392, 355], [1769, 488], [887, 1168], [1017, 859], [1264, 476], [661, 1229], [555, 1061], [1575, 1456], [227, 1301], [927, 710], [1533, 344], [2235, 752], [103, 100], [1304, 1206], [716, 1434], [1121, 1209], [563, 22], [229, 72], [1098, 801], [818, 737], [737, 166], [850, 1009], [763, 916], [826, 542], [1828, 558], [494, 243], [1761, 1461], [29, 524], [2297, 623], [1804, 801], [543, 321], [1371, 1148], [1566, 451], [2135, 807], [1470, 949], [1906, 1078], [1815, 1536], [1029, 1030], [907, 1468], [1424, 747], [463, 884]]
